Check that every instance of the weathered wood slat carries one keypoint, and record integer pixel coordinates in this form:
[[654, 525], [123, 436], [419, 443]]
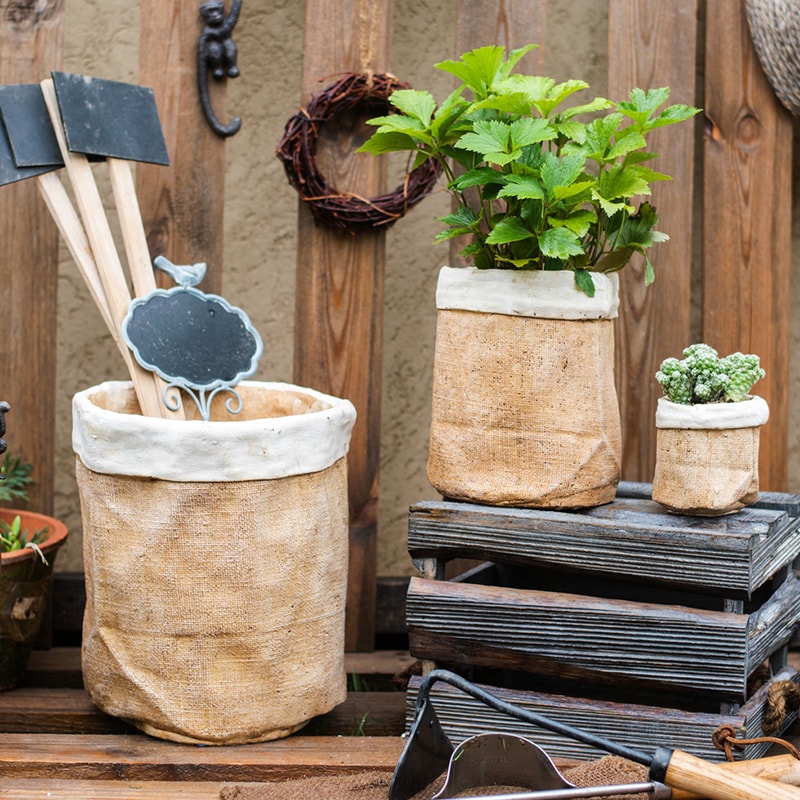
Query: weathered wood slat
[[140, 758], [31, 44], [71, 711], [652, 44], [629, 537], [747, 298], [31, 789], [639, 726], [182, 206], [600, 639], [340, 282]]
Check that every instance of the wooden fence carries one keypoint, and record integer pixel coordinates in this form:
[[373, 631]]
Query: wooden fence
[[724, 277]]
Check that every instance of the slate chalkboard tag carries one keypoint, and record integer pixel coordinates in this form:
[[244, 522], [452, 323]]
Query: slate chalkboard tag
[[195, 341]]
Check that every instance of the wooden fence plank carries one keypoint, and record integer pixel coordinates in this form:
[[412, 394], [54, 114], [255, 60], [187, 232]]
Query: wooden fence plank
[[31, 38], [340, 281], [747, 221], [652, 44], [182, 205], [510, 23]]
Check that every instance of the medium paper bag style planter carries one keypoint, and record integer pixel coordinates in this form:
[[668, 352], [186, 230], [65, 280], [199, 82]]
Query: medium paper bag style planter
[[525, 409], [707, 455], [216, 562]]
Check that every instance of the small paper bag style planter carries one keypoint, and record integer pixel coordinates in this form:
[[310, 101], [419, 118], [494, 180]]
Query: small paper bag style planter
[[216, 561], [707, 455], [524, 408]]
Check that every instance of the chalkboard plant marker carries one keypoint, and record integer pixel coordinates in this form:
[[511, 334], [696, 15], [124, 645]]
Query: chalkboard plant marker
[[196, 342], [548, 199], [708, 429]]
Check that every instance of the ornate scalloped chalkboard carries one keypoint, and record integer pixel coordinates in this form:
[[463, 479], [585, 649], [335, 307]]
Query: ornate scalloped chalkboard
[[195, 341]]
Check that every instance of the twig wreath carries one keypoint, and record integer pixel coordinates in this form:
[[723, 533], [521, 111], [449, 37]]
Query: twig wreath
[[298, 147]]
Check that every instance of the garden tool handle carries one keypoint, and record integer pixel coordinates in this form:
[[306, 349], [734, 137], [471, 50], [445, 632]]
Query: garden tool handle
[[784, 768], [693, 774]]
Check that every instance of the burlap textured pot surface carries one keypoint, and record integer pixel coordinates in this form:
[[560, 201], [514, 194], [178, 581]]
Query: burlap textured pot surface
[[216, 562], [524, 409], [707, 456]]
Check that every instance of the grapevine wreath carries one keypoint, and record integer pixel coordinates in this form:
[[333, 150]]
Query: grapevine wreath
[[298, 147]]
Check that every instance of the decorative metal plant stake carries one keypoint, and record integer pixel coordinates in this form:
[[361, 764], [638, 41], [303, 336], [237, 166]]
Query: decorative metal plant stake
[[195, 341]]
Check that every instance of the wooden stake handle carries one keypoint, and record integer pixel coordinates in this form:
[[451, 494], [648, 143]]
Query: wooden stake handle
[[137, 252], [691, 774], [101, 239]]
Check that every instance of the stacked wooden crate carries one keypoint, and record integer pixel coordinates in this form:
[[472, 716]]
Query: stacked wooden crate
[[644, 627]]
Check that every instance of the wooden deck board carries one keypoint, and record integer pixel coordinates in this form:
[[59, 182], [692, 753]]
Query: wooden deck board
[[142, 758]]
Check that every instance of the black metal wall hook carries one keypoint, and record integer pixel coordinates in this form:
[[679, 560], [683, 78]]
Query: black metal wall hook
[[4, 408], [217, 54]]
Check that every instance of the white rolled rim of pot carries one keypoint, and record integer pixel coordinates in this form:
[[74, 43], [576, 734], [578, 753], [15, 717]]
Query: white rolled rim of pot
[[115, 443], [547, 294], [751, 412]]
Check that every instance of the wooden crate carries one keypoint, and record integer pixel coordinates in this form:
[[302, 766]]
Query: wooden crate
[[638, 726], [620, 617]]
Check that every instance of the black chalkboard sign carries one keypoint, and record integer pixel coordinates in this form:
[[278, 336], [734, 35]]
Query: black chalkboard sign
[[192, 339]]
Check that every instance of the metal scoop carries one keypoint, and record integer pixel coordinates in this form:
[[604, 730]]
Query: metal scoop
[[499, 759]]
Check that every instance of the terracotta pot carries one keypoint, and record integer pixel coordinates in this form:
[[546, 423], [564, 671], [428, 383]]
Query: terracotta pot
[[524, 408], [707, 455], [24, 589]]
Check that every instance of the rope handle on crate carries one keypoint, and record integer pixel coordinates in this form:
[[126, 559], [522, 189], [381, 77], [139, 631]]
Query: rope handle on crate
[[783, 697]]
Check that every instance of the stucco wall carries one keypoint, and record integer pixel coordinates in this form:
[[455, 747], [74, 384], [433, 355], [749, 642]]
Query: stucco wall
[[101, 38]]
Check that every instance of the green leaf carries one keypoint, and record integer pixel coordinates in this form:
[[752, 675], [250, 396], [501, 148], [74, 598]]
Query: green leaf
[[508, 230], [620, 182], [641, 105], [513, 57], [626, 142], [415, 103], [533, 88], [561, 172], [649, 272], [559, 243], [389, 142], [578, 222], [614, 260], [480, 176], [573, 190], [490, 137], [529, 131], [523, 187], [676, 113], [610, 207], [598, 104], [557, 95], [583, 280], [477, 69], [574, 131]]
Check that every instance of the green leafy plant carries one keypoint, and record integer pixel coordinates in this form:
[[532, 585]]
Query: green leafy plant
[[14, 537], [16, 478], [554, 192], [703, 377]]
